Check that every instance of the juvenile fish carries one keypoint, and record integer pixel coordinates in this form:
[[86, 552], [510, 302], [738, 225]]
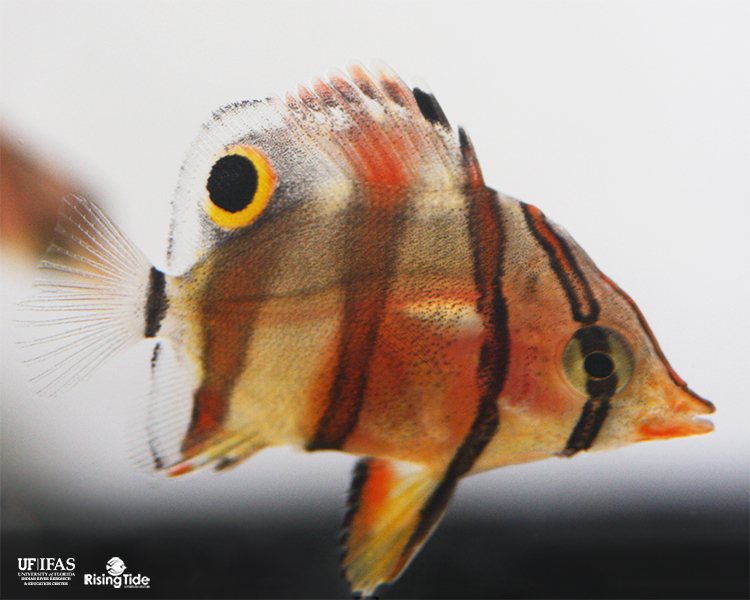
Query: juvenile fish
[[339, 277]]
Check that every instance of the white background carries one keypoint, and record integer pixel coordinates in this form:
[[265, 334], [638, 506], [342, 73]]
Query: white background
[[625, 122]]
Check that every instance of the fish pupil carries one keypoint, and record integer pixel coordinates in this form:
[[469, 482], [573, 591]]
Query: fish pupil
[[598, 365], [233, 183]]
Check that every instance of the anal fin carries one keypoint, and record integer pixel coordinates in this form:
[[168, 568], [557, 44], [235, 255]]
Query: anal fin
[[392, 509]]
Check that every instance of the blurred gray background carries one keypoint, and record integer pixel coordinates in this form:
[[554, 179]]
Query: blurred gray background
[[626, 122]]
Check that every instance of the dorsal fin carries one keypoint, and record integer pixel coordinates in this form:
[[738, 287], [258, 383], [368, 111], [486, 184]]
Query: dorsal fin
[[347, 131], [429, 107]]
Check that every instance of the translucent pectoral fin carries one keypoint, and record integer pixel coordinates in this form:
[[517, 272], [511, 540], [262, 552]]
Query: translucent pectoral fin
[[392, 509], [160, 420]]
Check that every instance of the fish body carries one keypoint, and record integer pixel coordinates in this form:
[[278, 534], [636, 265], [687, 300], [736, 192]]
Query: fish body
[[341, 278]]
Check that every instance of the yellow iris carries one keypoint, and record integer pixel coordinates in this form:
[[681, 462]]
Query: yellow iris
[[239, 187]]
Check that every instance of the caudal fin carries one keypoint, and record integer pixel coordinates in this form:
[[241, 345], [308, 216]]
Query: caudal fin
[[93, 303]]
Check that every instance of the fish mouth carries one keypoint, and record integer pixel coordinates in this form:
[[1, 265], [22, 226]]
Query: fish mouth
[[666, 429], [685, 418]]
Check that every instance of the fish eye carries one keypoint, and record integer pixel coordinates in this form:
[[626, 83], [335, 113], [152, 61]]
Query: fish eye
[[597, 361], [239, 187], [598, 365]]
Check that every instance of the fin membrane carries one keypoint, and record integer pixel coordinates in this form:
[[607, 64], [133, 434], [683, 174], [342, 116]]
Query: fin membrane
[[391, 513], [90, 307], [160, 423]]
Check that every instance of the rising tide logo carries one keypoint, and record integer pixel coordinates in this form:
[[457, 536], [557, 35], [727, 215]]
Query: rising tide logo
[[46, 571], [115, 566], [117, 577]]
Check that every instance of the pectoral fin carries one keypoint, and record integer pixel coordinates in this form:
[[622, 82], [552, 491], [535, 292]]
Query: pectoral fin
[[393, 507]]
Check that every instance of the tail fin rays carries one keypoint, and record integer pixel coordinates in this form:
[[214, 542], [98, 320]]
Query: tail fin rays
[[91, 307]]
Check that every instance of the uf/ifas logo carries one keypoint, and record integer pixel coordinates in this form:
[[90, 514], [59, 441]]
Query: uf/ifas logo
[[46, 564]]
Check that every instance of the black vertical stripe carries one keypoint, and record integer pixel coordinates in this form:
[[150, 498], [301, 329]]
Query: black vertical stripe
[[483, 429], [585, 309], [594, 413], [587, 428], [487, 239], [375, 234], [157, 459], [346, 396], [157, 302], [353, 502]]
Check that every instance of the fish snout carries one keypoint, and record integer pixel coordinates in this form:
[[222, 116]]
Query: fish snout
[[681, 417]]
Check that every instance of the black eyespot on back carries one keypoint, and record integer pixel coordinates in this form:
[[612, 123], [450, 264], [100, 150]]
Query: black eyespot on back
[[233, 183], [430, 108], [598, 365]]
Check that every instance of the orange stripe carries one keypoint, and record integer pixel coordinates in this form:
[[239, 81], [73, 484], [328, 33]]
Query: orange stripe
[[381, 156], [180, 470], [374, 495], [666, 431], [374, 230], [210, 407]]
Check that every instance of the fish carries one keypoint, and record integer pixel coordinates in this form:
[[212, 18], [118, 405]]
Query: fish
[[339, 277]]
